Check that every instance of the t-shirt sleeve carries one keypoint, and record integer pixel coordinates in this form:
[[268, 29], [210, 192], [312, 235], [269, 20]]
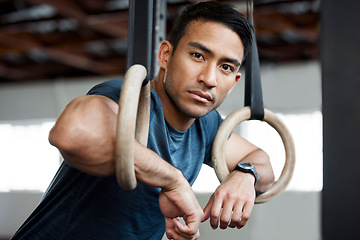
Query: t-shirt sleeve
[[212, 123], [110, 89]]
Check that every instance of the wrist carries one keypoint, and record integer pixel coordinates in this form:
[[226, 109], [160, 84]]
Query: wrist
[[248, 178], [247, 168], [176, 180]]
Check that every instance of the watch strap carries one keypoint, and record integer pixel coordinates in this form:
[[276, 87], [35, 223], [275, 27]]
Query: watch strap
[[247, 168]]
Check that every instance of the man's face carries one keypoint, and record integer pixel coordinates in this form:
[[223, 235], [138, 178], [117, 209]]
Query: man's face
[[203, 69]]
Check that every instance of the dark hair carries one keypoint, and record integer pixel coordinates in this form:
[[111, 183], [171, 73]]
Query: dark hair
[[215, 12]]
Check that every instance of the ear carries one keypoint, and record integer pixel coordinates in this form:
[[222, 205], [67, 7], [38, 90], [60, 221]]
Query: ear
[[165, 53], [237, 79]]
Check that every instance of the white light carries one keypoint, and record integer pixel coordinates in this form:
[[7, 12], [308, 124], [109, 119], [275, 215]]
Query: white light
[[27, 160], [306, 130]]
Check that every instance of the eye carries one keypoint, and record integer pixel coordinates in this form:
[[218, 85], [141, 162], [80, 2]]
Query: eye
[[197, 55], [228, 68]]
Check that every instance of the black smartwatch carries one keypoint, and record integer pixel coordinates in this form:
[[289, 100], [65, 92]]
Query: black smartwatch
[[247, 168]]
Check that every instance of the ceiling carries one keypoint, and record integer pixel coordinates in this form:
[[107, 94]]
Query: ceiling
[[43, 40]]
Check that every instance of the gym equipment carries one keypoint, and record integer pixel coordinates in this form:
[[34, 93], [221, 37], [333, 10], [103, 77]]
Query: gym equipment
[[254, 110], [146, 19], [218, 154], [134, 107], [132, 123]]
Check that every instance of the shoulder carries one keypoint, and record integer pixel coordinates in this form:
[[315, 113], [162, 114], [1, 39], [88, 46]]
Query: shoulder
[[210, 124], [110, 89], [212, 119], [90, 102]]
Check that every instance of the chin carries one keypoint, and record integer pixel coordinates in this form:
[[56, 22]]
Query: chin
[[196, 110], [197, 113]]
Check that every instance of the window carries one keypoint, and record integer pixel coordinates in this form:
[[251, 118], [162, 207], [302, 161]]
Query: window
[[306, 130], [27, 160]]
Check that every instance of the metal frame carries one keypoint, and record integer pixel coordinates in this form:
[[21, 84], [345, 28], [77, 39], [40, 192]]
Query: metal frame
[[147, 24]]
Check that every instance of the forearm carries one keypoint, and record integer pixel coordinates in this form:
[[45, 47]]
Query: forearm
[[85, 136], [240, 150], [152, 170], [263, 168]]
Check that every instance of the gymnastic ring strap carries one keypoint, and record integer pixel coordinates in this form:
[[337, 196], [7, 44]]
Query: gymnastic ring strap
[[218, 149], [132, 123]]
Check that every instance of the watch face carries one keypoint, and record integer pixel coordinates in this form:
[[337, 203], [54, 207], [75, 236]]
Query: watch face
[[245, 165], [247, 168]]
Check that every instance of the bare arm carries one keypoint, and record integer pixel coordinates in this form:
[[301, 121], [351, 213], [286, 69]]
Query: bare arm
[[85, 135], [240, 150], [233, 200]]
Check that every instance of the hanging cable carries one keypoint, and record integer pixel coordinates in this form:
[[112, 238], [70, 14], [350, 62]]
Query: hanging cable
[[253, 90]]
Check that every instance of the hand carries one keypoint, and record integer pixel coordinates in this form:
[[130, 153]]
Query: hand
[[181, 202], [233, 199]]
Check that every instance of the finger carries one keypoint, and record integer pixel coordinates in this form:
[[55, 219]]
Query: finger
[[172, 234], [172, 231], [207, 209], [226, 213], [236, 215], [170, 228], [181, 230], [215, 211], [245, 214], [189, 231]]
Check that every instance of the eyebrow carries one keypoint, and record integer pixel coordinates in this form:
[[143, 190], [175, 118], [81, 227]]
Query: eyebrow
[[205, 49]]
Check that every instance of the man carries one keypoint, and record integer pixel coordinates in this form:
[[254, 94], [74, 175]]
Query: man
[[198, 68]]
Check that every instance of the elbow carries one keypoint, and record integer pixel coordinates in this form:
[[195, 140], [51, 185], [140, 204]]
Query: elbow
[[84, 134], [270, 176], [54, 136], [267, 176], [265, 186], [66, 131], [60, 139], [64, 140], [71, 153], [270, 181]]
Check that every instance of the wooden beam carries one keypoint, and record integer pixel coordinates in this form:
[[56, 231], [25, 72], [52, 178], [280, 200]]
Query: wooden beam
[[60, 56], [71, 10]]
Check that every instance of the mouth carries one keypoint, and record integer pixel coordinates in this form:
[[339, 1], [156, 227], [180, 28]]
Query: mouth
[[201, 96]]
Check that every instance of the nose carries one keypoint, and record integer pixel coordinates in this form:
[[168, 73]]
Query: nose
[[208, 76]]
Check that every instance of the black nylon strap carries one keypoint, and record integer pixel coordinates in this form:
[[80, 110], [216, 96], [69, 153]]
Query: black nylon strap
[[140, 35], [253, 90]]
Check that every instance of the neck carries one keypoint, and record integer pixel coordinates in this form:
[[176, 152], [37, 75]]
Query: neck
[[173, 116]]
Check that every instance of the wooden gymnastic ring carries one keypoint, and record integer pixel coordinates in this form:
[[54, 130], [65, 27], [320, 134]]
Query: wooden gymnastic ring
[[134, 107], [218, 150]]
